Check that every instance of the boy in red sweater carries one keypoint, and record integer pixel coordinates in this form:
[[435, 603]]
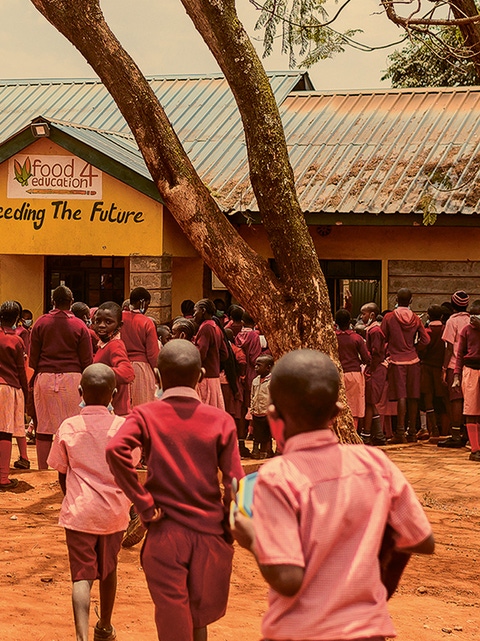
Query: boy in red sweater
[[187, 554], [403, 331], [352, 352], [432, 385]]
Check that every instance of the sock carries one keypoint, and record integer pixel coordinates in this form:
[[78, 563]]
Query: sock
[[43, 450], [5, 455], [456, 432], [22, 446], [472, 429]]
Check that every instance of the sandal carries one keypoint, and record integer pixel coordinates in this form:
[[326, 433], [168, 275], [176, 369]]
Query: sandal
[[8, 486], [101, 634]]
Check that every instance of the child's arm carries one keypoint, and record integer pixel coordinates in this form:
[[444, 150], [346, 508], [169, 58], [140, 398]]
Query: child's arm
[[284, 579], [124, 372], [133, 434], [393, 560], [62, 480]]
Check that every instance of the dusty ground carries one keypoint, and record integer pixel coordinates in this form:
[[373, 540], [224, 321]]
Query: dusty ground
[[438, 598]]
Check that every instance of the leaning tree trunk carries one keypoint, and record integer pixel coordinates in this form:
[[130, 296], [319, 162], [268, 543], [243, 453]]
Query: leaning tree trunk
[[293, 309]]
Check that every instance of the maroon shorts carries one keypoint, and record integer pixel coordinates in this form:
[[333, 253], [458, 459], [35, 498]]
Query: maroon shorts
[[454, 393], [431, 382], [188, 575], [92, 556], [375, 384], [403, 381]]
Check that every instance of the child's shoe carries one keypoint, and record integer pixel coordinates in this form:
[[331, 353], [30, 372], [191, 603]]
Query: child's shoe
[[22, 464], [101, 634], [423, 434], [9, 485], [244, 451]]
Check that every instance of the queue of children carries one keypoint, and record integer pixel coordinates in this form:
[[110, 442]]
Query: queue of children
[[424, 369]]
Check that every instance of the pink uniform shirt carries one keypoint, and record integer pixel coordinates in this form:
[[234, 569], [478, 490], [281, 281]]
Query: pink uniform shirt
[[451, 333], [93, 503], [324, 506]]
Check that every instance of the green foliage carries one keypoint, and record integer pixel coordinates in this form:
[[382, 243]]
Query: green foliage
[[303, 33], [438, 59]]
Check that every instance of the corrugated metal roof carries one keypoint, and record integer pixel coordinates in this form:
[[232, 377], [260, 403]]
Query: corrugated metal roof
[[395, 151], [200, 107], [389, 151]]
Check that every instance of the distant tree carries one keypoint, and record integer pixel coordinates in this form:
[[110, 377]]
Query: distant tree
[[439, 59]]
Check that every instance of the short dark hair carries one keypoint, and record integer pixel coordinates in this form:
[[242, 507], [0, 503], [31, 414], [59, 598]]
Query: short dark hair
[[138, 294], [113, 307], [343, 318], [235, 312], [186, 307], [62, 294], [9, 311], [435, 312], [304, 386], [404, 297], [207, 305]]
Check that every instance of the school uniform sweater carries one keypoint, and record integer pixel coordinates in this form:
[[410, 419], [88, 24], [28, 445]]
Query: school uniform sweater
[[248, 340], [12, 360], [140, 337], [434, 353], [352, 350], [375, 344], [468, 349], [185, 444], [60, 343], [401, 327], [210, 342], [115, 356]]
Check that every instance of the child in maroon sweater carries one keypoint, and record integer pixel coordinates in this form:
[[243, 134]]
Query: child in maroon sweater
[[375, 376], [352, 352], [60, 350], [111, 351], [403, 331], [467, 374], [13, 388], [187, 554], [431, 361]]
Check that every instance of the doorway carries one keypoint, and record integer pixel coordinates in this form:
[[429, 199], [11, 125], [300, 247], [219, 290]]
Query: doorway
[[92, 279]]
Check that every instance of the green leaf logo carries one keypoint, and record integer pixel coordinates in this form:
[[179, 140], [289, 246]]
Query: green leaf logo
[[23, 172]]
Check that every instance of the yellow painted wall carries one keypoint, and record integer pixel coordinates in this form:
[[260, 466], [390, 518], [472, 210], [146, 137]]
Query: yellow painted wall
[[21, 278], [187, 281], [74, 225], [385, 243], [174, 241]]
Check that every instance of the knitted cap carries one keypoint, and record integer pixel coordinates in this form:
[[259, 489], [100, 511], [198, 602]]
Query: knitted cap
[[460, 299]]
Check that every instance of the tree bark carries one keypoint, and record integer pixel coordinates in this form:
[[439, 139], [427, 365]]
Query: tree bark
[[471, 30], [294, 309]]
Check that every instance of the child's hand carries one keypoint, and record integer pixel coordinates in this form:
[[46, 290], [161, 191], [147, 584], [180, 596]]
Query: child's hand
[[456, 381], [242, 530]]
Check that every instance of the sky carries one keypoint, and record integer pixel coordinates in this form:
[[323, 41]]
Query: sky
[[162, 40]]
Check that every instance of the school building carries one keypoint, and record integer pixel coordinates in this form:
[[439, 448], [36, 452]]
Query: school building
[[388, 180]]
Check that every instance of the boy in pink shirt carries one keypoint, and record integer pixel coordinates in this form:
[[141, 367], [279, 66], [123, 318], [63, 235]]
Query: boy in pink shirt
[[320, 512], [94, 510]]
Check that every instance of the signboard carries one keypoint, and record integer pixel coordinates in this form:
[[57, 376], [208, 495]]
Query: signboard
[[54, 204], [33, 176]]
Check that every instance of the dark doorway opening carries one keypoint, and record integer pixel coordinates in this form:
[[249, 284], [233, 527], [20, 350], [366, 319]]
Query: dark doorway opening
[[92, 279]]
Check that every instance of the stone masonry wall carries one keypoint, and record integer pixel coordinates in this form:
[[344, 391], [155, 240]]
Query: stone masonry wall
[[155, 274]]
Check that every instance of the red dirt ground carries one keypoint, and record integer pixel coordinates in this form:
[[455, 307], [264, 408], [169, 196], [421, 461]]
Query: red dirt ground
[[438, 598]]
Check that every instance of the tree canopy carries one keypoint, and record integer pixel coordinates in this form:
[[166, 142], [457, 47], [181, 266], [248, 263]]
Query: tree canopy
[[427, 62]]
